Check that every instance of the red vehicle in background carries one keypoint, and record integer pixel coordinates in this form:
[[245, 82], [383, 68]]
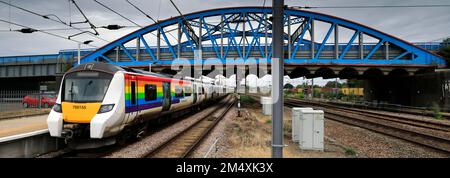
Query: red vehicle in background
[[32, 101]]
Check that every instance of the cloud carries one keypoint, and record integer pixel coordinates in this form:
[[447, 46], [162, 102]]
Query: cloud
[[411, 24]]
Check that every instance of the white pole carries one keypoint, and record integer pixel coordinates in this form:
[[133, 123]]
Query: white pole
[[312, 88], [79, 53]]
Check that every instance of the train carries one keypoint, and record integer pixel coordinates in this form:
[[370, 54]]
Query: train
[[103, 104]]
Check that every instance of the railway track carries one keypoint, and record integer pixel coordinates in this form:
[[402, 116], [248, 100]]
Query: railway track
[[427, 123], [428, 133], [183, 144], [107, 150], [394, 109]]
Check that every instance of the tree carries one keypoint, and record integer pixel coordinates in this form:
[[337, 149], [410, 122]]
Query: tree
[[445, 50], [355, 83], [332, 84], [288, 86]]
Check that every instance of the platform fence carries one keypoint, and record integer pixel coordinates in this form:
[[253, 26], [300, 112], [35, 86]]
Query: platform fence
[[23, 103]]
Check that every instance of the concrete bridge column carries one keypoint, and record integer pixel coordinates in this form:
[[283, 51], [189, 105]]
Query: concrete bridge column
[[420, 90]]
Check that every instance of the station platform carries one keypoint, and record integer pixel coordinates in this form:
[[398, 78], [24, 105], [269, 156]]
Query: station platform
[[21, 125]]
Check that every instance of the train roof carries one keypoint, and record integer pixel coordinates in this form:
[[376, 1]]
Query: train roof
[[96, 66], [146, 72], [111, 69]]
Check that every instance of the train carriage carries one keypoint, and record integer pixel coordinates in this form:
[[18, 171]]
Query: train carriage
[[99, 101]]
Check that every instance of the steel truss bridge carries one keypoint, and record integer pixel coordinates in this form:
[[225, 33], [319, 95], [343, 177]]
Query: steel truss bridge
[[315, 45]]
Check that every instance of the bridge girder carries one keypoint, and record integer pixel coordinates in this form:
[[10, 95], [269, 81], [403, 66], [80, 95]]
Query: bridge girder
[[244, 33]]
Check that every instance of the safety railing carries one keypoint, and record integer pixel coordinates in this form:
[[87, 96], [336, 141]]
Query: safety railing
[[24, 103]]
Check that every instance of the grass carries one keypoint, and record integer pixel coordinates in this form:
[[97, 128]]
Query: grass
[[436, 111], [269, 121], [350, 151], [249, 137], [247, 99]]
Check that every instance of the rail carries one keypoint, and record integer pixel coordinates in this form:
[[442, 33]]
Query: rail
[[203, 126], [427, 133]]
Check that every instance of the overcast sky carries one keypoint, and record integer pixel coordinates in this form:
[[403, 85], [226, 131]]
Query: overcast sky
[[411, 24]]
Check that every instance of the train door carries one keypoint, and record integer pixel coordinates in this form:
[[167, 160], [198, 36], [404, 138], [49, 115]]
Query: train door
[[167, 98], [132, 97], [194, 92], [207, 92]]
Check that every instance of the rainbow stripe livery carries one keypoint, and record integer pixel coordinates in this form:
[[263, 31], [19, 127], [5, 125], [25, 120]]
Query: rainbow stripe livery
[[140, 81]]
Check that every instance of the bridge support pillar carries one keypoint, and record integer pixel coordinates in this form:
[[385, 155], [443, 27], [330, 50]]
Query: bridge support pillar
[[421, 90]]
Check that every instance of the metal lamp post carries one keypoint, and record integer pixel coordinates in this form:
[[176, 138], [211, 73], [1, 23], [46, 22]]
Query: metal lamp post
[[79, 48], [277, 79]]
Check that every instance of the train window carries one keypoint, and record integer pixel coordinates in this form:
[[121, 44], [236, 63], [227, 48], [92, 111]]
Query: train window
[[203, 90], [150, 92], [187, 91], [133, 93], [179, 92], [85, 86]]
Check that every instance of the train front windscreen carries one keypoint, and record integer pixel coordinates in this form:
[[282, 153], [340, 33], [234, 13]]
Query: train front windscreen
[[82, 95], [84, 87]]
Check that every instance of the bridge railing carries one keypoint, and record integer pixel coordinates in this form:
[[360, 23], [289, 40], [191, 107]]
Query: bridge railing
[[71, 54], [49, 58]]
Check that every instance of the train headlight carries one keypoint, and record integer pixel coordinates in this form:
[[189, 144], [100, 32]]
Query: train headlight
[[105, 108], [57, 108]]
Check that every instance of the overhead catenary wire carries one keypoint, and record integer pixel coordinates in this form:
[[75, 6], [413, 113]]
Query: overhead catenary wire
[[181, 14], [124, 16], [374, 6], [48, 33], [117, 13], [70, 11], [9, 15], [26, 10], [148, 16], [43, 16], [159, 9], [53, 29], [93, 27], [49, 15], [66, 29]]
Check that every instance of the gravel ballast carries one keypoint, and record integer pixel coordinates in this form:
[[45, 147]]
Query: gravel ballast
[[143, 147], [375, 145]]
